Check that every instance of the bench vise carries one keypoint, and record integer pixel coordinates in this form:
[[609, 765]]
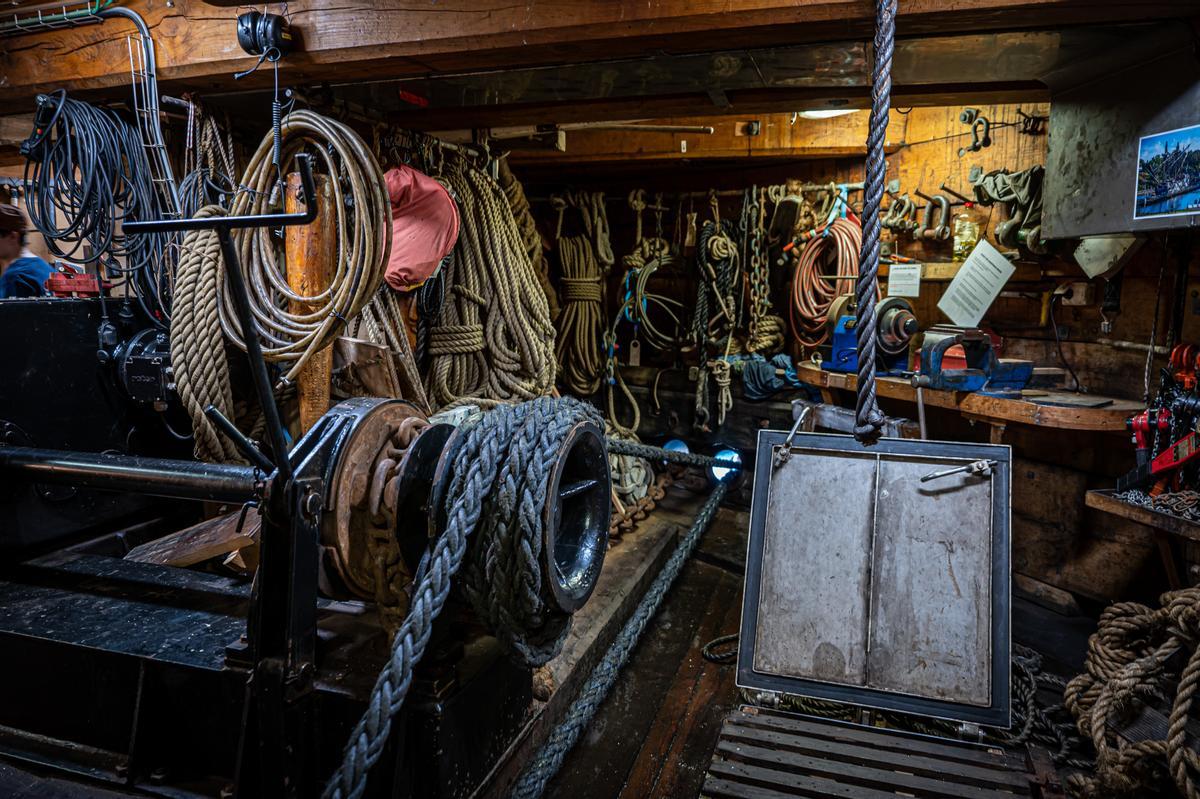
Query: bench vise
[[984, 372]]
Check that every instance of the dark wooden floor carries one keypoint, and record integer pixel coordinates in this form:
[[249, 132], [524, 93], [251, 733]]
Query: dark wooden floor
[[654, 735]]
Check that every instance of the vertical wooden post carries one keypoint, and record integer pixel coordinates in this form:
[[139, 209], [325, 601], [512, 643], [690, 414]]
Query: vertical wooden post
[[311, 252]]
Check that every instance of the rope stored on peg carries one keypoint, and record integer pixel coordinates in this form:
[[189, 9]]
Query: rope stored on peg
[[869, 418]]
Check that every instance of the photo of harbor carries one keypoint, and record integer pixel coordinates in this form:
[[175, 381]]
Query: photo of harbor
[[1168, 181]]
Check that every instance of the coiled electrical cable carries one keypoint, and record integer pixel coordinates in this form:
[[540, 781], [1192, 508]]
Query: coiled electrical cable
[[364, 242], [85, 175], [825, 269]]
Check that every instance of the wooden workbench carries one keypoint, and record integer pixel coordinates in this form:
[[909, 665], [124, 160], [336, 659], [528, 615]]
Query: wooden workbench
[[1032, 410]]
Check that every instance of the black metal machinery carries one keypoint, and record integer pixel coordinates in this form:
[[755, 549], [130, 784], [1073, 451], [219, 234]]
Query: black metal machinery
[[183, 682]]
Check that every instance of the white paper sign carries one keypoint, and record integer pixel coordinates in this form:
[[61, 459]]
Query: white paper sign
[[904, 280], [976, 285]]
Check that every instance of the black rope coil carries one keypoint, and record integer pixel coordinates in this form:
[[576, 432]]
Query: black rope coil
[[502, 576], [869, 418]]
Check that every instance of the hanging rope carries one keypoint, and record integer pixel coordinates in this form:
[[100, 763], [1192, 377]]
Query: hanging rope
[[579, 349], [868, 418], [205, 319], [523, 215], [364, 243], [493, 341]]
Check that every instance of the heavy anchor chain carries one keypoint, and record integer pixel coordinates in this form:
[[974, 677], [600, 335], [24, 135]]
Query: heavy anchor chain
[[637, 511]]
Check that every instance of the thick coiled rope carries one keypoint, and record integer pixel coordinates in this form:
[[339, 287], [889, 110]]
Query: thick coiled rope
[[205, 318], [502, 576], [631, 476], [1135, 655], [364, 242], [523, 215], [493, 341], [197, 344], [549, 758], [474, 493], [585, 259], [869, 418]]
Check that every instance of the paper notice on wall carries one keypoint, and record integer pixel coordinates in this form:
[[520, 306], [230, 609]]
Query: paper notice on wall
[[976, 285], [904, 280]]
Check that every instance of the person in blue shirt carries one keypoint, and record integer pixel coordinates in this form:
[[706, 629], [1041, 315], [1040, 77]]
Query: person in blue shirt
[[22, 274]]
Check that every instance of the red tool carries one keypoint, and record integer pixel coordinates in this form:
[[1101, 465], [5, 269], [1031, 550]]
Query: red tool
[[1170, 459], [1144, 426], [69, 283]]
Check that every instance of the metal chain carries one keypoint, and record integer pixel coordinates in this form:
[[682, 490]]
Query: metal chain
[[549, 759], [869, 418], [1184, 504]]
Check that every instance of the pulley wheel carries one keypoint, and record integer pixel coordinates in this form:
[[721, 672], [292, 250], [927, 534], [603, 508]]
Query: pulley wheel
[[576, 517], [843, 305]]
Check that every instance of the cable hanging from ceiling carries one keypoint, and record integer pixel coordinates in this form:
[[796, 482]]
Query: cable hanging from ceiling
[[86, 172]]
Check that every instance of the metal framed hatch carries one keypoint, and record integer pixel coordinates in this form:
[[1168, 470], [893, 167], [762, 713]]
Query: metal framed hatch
[[867, 585]]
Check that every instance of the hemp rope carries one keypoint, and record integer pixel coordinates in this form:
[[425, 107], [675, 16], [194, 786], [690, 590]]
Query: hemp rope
[[631, 476], [197, 344], [579, 350], [1135, 654], [869, 419], [493, 340], [205, 314], [479, 489], [523, 215], [364, 243]]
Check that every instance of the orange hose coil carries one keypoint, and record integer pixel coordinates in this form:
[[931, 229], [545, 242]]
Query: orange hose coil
[[813, 289]]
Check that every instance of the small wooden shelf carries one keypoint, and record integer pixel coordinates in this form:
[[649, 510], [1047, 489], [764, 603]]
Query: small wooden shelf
[[1106, 502], [944, 272], [1038, 410]]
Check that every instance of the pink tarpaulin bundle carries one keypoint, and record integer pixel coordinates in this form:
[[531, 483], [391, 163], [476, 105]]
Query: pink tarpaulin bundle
[[424, 227]]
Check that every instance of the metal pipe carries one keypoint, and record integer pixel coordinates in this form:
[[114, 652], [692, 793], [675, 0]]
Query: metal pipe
[[1137, 346], [160, 477]]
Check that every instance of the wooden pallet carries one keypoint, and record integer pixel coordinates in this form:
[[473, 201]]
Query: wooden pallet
[[767, 754]]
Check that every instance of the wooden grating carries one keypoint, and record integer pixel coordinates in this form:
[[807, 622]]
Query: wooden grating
[[767, 754]]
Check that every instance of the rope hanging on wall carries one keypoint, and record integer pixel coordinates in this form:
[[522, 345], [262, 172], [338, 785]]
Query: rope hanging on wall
[[523, 214], [205, 319], [493, 341], [585, 259]]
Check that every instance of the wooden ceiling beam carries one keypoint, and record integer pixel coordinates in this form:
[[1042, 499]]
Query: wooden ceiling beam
[[358, 40]]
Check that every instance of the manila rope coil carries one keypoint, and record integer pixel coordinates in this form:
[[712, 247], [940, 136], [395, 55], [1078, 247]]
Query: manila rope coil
[[717, 256], [523, 215], [585, 259], [205, 313], [1138, 653], [493, 341]]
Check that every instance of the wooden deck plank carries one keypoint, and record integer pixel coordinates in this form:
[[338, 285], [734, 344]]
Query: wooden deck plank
[[861, 774], [1105, 501]]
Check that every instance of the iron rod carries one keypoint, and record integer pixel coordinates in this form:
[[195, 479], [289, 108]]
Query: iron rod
[[161, 477]]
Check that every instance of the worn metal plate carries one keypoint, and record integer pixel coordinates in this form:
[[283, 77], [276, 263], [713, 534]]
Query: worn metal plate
[[930, 594], [867, 586]]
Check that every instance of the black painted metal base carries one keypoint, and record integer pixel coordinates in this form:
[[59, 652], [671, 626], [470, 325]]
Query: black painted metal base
[[125, 673]]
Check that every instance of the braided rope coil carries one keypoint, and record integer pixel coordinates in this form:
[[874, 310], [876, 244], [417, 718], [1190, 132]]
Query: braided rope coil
[[480, 484]]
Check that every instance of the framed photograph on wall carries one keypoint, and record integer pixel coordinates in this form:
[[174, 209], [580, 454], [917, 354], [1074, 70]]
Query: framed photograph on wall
[[1168, 174]]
